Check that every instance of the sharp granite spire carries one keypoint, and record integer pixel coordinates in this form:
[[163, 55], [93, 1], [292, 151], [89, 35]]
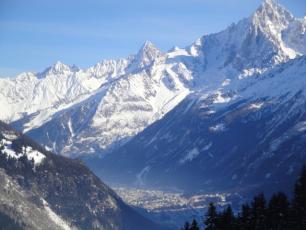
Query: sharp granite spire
[[271, 20], [60, 67], [271, 12], [147, 54]]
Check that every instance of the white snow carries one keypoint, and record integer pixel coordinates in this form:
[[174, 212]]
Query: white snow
[[206, 147], [55, 218], [256, 106], [177, 52], [141, 176], [127, 95], [220, 99], [301, 127], [70, 128], [226, 82], [30, 153], [7, 149], [218, 128], [9, 136], [191, 155], [34, 155], [48, 148]]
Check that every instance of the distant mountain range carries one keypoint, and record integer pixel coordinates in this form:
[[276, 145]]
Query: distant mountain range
[[250, 137], [243, 128], [83, 112], [225, 112]]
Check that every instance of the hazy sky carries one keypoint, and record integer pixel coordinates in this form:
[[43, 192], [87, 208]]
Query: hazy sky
[[36, 33]]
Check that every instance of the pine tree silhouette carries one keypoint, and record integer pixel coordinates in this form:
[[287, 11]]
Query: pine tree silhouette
[[278, 212], [258, 213], [211, 217], [244, 218], [194, 225], [279, 215], [187, 226], [299, 201], [226, 219]]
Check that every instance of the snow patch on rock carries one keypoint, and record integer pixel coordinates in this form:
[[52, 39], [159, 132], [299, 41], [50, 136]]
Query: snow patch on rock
[[191, 155], [141, 176], [31, 154], [256, 106], [218, 128], [56, 218]]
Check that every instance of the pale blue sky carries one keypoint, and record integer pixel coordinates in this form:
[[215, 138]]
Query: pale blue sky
[[36, 33]]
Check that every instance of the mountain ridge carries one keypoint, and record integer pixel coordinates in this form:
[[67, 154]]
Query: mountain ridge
[[150, 83], [243, 138], [47, 191]]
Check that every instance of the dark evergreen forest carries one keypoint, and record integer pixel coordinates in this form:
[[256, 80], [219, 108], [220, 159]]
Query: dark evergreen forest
[[279, 213]]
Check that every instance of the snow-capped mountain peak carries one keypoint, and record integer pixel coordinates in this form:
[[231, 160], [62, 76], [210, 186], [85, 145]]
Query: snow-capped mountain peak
[[271, 19], [147, 54], [101, 104], [58, 68], [270, 4], [271, 14], [148, 47], [109, 68], [252, 44]]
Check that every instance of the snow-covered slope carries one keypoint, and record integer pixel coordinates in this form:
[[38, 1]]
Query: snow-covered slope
[[97, 106], [244, 136], [40, 95], [119, 108], [87, 111], [250, 46]]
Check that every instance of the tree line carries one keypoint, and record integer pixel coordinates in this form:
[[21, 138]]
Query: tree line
[[279, 213]]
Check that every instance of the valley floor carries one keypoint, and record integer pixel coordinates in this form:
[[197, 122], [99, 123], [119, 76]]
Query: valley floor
[[174, 208]]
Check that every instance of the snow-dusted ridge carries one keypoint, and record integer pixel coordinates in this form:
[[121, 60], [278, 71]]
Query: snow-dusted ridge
[[48, 191], [253, 140], [11, 152], [80, 111], [116, 99]]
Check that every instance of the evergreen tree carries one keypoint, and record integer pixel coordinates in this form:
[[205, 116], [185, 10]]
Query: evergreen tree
[[299, 201], [279, 215], [226, 219], [194, 225], [258, 213], [244, 218], [230, 218], [278, 212], [187, 226], [211, 217]]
